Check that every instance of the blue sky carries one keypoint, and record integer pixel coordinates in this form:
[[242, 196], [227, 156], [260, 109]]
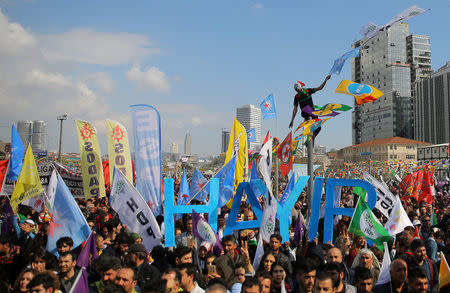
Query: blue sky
[[196, 61]]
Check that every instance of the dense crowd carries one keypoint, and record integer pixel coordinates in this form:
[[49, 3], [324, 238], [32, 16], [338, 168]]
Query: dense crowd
[[348, 264]]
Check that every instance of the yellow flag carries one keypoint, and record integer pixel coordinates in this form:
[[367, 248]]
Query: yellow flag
[[91, 161], [237, 146], [444, 273], [28, 184], [118, 150], [363, 93]]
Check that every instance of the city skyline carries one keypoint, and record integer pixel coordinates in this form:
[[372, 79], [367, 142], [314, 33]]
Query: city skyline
[[92, 63]]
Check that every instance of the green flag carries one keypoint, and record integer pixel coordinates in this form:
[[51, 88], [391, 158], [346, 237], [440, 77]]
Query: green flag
[[364, 223], [359, 192]]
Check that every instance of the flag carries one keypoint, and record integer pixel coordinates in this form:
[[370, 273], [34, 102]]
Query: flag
[[267, 138], [364, 223], [444, 273], [147, 144], [8, 217], [259, 253], [398, 220], [311, 125], [268, 221], [4, 166], [284, 153], [288, 190], [87, 251], [91, 160], [29, 183], [238, 147], [267, 106], [427, 188], [118, 149], [328, 110], [183, 194], [416, 234], [385, 199], [433, 218], [385, 275], [80, 284], [17, 153], [134, 211], [370, 29], [363, 93], [251, 135], [51, 190], [203, 231], [396, 176], [405, 15], [339, 63], [299, 230], [67, 219], [265, 164], [197, 188]]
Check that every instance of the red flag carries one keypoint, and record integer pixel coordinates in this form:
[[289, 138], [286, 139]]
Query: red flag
[[267, 137], [427, 191], [3, 167], [416, 234], [412, 185], [284, 153]]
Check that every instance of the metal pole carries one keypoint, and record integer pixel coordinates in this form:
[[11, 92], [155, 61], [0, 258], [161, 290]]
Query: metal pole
[[310, 147], [276, 163], [61, 119]]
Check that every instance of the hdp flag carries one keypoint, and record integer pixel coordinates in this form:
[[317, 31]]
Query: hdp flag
[[251, 135], [363, 93], [265, 163], [268, 221], [17, 152], [203, 231], [259, 253], [198, 184], [226, 182], [80, 284], [147, 144], [364, 223], [183, 194], [267, 106], [87, 251], [398, 219], [385, 275], [238, 146], [284, 153], [133, 210], [339, 63], [29, 183], [67, 219]]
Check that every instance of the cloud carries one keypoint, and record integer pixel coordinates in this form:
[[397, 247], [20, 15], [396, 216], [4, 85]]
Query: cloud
[[257, 6], [153, 78], [85, 45], [15, 40], [102, 81]]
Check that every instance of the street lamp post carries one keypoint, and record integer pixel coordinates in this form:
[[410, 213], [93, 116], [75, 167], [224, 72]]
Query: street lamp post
[[60, 118]]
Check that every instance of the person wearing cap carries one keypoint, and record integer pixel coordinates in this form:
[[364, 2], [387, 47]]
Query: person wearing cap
[[304, 98], [137, 258], [24, 230]]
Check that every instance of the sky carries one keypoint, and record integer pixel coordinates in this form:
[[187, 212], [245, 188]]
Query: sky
[[195, 61]]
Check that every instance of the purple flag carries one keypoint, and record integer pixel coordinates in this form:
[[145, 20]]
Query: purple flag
[[309, 110], [88, 249], [80, 285], [204, 232], [8, 217], [299, 230]]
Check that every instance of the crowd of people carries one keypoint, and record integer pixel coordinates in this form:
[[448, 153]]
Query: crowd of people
[[347, 264]]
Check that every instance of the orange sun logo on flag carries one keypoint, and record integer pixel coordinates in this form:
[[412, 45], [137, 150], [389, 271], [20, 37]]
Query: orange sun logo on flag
[[117, 133], [86, 132]]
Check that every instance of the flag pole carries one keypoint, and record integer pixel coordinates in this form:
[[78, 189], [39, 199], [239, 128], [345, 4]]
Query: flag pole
[[276, 162]]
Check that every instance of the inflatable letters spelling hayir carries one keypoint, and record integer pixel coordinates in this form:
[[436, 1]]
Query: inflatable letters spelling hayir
[[283, 211]]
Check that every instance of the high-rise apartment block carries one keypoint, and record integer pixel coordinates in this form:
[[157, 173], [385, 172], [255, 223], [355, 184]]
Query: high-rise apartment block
[[188, 144], [386, 62], [32, 132], [225, 140], [250, 117], [432, 107]]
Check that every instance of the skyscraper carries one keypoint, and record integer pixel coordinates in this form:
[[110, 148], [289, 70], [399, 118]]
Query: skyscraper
[[250, 117], [432, 107], [225, 140], [174, 148], [384, 63], [187, 144]]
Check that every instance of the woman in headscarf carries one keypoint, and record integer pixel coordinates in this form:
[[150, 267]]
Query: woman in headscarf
[[366, 258]]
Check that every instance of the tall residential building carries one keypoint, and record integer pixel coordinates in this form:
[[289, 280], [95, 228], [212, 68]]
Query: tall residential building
[[384, 63], [250, 117], [39, 135], [25, 130], [174, 148], [432, 107], [188, 144], [419, 56], [225, 140]]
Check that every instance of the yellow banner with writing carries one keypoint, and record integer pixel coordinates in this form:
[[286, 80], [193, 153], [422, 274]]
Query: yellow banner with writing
[[91, 160], [118, 149], [28, 183]]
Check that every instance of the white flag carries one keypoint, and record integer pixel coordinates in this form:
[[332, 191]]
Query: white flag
[[385, 198], [259, 253], [269, 217], [398, 220], [385, 275], [265, 163], [134, 211], [51, 190], [405, 15]]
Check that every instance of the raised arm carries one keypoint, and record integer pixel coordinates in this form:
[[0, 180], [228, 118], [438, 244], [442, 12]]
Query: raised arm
[[323, 83], [294, 112]]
